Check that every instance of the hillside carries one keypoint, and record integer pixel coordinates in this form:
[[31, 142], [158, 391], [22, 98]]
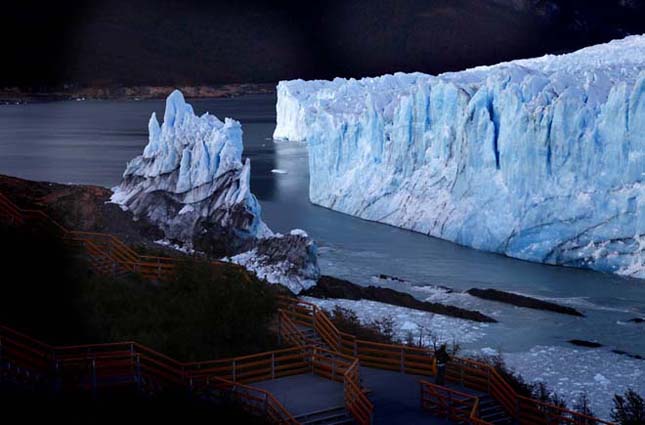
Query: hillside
[[173, 42]]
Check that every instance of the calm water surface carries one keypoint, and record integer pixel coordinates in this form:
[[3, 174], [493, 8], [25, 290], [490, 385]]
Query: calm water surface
[[90, 142]]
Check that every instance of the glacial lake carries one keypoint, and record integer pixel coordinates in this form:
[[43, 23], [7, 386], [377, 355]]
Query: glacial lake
[[90, 142]]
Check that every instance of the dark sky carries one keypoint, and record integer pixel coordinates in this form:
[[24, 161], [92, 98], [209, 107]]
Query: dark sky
[[116, 42]]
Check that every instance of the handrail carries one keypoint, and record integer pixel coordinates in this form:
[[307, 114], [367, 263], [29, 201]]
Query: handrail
[[469, 373], [554, 413], [455, 405], [133, 360], [356, 402], [271, 405], [123, 358], [101, 246]]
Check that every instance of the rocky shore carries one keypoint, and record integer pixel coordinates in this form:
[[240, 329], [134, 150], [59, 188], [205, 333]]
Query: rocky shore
[[82, 207], [331, 287], [522, 301]]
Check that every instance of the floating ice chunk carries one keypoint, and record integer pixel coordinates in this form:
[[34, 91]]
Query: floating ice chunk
[[487, 351]]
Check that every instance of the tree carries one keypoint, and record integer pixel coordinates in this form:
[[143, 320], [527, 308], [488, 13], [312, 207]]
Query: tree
[[583, 406], [629, 409]]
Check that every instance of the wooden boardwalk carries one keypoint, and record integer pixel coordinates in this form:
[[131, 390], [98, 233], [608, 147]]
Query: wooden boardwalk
[[326, 376], [305, 393], [395, 396]]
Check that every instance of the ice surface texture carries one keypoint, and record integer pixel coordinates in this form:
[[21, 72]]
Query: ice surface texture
[[192, 183], [540, 159]]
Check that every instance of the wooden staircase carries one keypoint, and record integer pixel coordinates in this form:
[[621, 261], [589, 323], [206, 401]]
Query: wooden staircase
[[333, 416], [492, 412], [490, 399], [106, 254], [318, 347]]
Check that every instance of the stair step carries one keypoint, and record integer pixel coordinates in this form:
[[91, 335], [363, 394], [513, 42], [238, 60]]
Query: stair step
[[500, 421], [493, 414], [331, 416]]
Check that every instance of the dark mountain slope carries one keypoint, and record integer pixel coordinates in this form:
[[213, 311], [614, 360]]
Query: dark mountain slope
[[119, 42]]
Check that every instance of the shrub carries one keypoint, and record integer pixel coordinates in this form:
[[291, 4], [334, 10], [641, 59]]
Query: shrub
[[515, 380], [202, 313], [582, 406], [629, 409], [346, 320]]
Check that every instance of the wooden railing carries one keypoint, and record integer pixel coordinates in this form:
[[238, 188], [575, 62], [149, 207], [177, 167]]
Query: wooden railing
[[356, 402], [256, 400], [331, 364], [532, 411], [446, 402], [92, 367], [107, 254], [420, 361]]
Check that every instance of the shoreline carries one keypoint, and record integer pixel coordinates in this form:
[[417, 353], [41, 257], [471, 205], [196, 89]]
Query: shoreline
[[16, 95]]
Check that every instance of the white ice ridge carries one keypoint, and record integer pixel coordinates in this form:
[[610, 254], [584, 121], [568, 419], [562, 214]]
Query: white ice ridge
[[189, 160], [191, 182], [539, 159]]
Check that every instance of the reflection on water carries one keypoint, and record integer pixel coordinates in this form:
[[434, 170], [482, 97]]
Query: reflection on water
[[90, 142]]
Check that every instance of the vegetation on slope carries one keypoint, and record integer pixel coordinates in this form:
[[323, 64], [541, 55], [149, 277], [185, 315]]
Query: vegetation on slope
[[198, 315]]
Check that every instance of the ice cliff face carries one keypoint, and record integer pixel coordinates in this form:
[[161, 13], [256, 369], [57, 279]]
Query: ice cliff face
[[540, 159], [192, 183]]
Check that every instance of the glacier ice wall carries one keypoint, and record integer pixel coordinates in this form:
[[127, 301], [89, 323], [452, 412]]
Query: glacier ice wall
[[539, 159], [192, 183]]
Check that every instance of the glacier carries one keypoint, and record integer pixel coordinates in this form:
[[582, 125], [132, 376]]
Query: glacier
[[191, 182], [539, 159]]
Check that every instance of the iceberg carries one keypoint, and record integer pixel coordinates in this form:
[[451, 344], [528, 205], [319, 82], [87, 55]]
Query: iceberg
[[539, 159], [191, 182]]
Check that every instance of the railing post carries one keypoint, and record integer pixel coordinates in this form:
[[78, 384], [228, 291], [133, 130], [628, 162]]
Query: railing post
[[280, 329], [138, 371], [272, 365], [333, 369], [93, 365], [56, 381], [137, 367], [402, 361], [1, 361], [234, 372], [266, 404]]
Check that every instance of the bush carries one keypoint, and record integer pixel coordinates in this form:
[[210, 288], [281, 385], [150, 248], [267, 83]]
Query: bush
[[582, 406], [515, 380], [629, 409], [200, 314], [346, 320]]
